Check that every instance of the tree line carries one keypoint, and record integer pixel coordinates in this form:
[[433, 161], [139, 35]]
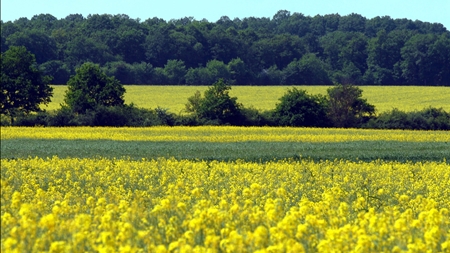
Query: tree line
[[95, 99], [287, 49]]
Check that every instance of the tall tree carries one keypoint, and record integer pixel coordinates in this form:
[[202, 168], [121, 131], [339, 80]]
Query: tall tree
[[278, 50], [426, 60], [216, 106], [308, 70], [384, 57], [37, 42], [346, 107], [24, 87], [91, 87], [175, 70]]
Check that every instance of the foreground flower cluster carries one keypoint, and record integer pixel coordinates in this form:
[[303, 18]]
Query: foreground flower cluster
[[167, 205]]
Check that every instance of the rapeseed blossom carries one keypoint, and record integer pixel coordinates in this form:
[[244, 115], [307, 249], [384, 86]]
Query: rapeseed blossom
[[169, 205], [223, 134]]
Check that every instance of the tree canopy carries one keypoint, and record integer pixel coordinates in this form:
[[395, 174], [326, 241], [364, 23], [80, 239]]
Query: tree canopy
[[91, 87], [346, 107], [24, 87], [216, 106], [249, 51], [297, 108]]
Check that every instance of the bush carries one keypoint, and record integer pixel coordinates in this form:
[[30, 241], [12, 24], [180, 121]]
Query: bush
[[297, 108], [437, 118], [110, 116], [216, 107], [252, 117], [426, 119], [5, 120], [33, 119], [347, 108], [164, 117]]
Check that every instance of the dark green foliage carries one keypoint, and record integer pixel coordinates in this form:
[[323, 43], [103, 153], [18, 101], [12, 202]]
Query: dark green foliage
[[37, 42], [24, 87], [34, 119], [426, 119], [253, 117], [297, 108], [270, 76], [174, 72], [426, 60], [91, 88], [216, 106], [58, 69], [127, 115], [351, 48], [308, 70], [164, 117], [213, 71], [120, 70], [346, 108]]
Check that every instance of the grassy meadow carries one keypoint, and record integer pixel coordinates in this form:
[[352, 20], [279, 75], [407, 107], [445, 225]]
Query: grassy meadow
[[385, 98]]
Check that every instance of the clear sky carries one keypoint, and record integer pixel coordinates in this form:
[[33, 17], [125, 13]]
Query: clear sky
[[424, 10]]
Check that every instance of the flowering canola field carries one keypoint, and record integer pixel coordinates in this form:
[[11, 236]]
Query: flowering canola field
[[222, 134], [385, 98], [168, 205]]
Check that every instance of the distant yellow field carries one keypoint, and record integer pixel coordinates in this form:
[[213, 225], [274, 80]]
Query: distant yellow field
[[222, 134], [405, 98]]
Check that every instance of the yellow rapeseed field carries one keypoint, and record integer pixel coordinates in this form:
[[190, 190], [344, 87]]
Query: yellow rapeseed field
[[168, 205], [223, 134], [174, 98]]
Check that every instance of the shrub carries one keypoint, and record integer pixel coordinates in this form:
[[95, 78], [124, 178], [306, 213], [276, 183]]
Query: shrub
[[297, 108], [33, 119], [347, 108], [426, 119], [216, 107]]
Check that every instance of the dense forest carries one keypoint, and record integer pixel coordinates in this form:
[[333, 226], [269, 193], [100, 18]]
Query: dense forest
[[287, 49]]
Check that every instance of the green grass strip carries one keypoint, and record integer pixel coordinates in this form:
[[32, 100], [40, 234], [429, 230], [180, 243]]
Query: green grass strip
[[249, 151]]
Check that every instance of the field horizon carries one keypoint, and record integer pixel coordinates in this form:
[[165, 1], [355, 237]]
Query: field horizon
[[174, 97]]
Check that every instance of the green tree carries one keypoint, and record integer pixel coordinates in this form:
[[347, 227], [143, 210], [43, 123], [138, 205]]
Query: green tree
[[37, 42], [277, 50], [239, 73], [297, 108], [57, 69], [216, 106], [129, 46], [91, 87], [341, 47], [175, 72], [218, 70], [24, 87], [352, 23], [84, 49], [346, 108], [426, 60], [308, 70], [384, 57]]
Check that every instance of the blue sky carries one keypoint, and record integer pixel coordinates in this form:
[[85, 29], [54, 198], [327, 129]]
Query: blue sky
[[424, 10]]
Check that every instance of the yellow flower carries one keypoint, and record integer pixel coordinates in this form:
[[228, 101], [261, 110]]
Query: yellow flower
[[58, 246], [48, 221], [16, 199]]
